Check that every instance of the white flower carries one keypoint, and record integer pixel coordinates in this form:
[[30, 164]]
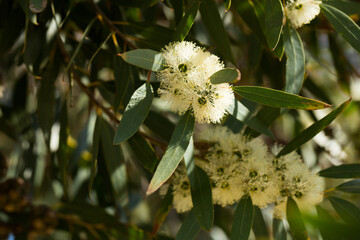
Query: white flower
[[298, 182], [185, 82], [180, 190], [301, 12]]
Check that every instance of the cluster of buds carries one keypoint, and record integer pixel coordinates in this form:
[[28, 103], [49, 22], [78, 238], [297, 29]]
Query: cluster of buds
[[23, 218]]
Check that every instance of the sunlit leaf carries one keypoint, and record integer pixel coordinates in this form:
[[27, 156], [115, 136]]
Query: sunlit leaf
[[135, 113], [295, 220], [226, 75], [144, 58], [276, 98], [175, 151], [314, 129]]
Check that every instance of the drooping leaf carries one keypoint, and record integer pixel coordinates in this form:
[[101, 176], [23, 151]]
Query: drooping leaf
[[122, 78], [135, 113], [314, 129], [259, 226], [201, 197], [295, 220], [227, 4], [213, 23], [342, 171], [273, 22], [343, 24], [95, 152], [37, 6], [268, 115], [144, 152], [324, 215], [144, 58], [277, 98], [242, 113], [160, 125], [163, 210], [349, 212], [243, 219], [226, 75], [295, 63], [186, 22], [352, 186], [279, 232], [189, 228], [178, 6], [175, 151]]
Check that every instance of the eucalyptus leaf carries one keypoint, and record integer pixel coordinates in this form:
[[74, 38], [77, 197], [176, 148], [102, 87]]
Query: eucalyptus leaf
[[175, 151], [277, 98], [163, 210], [95, 152], [189, 228], [186, 22], [37, 6], [144, 58], [243, 219], [352, 186], [342, 171], [349, 212], [295, 220], [226, 75], [343, 24], [273, 22], [135, 113]]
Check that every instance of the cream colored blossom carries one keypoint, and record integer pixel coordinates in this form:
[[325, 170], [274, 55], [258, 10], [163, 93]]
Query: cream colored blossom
[[185, 82], [301, 12]]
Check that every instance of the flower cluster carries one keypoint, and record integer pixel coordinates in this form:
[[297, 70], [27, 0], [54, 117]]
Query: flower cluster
[[185, 82], [238, 166], [301, 12]]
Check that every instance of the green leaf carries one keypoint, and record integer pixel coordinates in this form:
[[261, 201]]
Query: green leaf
[[37, 6], [190, 227], [275, 98], [242, 113], [202, 198], [214, 24], [227, 5], [186, 22], [294, 218], [95, 152], [295, 63], [137, 3], [279, 232], [347, 211], [273, 22], [175, 151], [226, 75], [178, 6], [144, 58], [243, 219], [348, 7], [122, 78], [342, 171], [63, 153], [163, 210], [135, 113], [352, 186], [159, 125], [267, 115], [314, 129], [343, 24], [144, 152], [259, 226], [324, 229]]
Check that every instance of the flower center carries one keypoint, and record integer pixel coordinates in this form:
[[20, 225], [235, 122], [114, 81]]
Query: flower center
[[185, 185], [298, 194], [298, 7], [182, 67], [253, 174], [202, 100]]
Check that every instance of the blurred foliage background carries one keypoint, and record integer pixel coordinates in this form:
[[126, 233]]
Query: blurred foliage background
[[60, 77]]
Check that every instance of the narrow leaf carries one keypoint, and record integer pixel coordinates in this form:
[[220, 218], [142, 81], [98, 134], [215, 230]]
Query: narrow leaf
[[295, 63], [275, 98], [243, 219], [325, 231], [348, 7], [352, 186], [273, 22], [226, 75], [190, 227], [347, 211], [214, 24], [314, 129], [243, 114], [259, 226], [122, 78], [95, 152], [144, 58], [343, 24], [227, 5], [201, 197], [342, 171], [135, 113], [294, 218], [186, 22], [37, 6], [279, 232], [175, 151], [144, 152]]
